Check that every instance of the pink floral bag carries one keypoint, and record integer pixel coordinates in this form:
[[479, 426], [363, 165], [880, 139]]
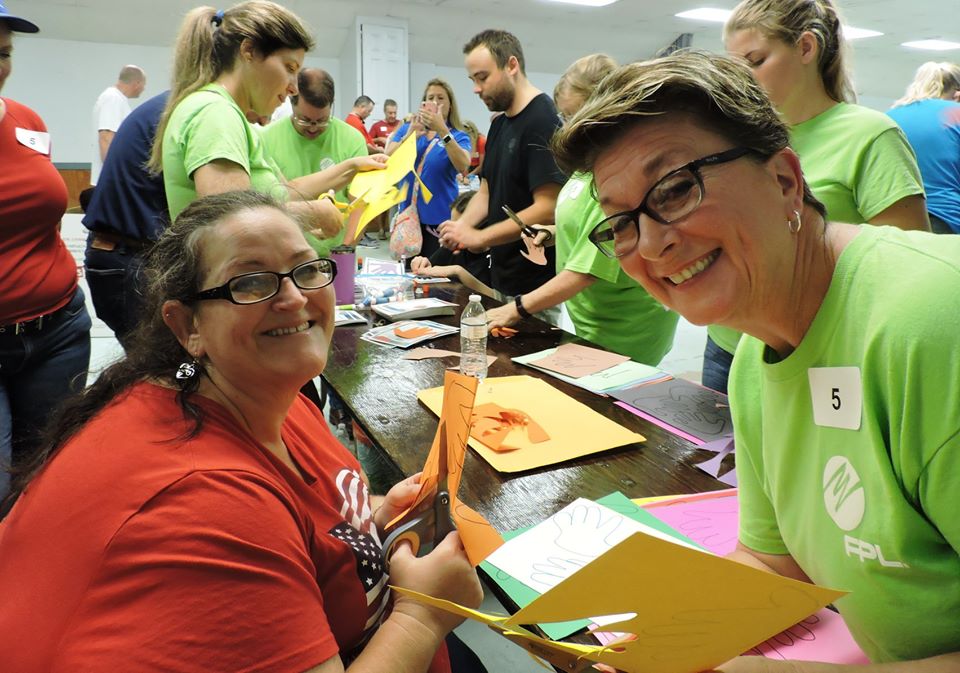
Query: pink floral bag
[[406, 236]]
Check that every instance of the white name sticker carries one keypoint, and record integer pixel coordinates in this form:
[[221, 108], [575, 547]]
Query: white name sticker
[[837, 396], [35, 140]]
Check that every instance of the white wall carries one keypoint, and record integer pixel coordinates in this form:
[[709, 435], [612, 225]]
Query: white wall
[[61, 79]]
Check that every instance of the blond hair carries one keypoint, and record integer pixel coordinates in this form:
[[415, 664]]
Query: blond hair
[[932, 80], [787, 20], [717, 91], [453, 114], [582, 77], [208, 44]]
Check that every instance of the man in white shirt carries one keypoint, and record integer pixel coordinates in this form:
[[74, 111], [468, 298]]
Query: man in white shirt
[[111, 108]]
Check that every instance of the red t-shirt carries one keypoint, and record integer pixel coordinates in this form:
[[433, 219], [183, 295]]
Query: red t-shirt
[[478, 151], [38, 274], [383, 129], [137, 545], [357, 123]]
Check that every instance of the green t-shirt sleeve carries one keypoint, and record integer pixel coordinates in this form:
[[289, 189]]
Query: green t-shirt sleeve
[[215, 132], [886, 173], [585, 257], [357, 146]]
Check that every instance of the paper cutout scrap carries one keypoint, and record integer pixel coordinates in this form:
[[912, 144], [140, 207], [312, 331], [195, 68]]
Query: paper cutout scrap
[[623, 375], [575, 360], [424, 353], [492, 424], [575, 429], [411, 331], [505, 332], [680, 627], [681, 407], [533, 253], [479, 538], [378, 191], [722, 447]]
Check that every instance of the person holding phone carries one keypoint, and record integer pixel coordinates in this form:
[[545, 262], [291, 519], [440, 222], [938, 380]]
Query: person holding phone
[[443, 152]]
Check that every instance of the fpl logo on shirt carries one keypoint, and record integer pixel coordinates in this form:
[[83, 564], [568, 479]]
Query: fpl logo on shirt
[[845, 501]]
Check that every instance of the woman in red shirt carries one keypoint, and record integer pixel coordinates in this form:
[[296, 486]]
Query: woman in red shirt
[[44, 326]]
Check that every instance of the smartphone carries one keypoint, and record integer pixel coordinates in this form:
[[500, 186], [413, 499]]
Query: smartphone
[[430, 105]]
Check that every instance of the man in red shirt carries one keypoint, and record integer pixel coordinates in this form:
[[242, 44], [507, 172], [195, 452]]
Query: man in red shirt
[[362, 107], [382, 129]]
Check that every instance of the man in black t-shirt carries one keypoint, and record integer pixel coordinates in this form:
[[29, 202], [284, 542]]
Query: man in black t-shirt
[[518, 171]]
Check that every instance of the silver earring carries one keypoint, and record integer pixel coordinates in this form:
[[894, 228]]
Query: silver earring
[[187, 370], [795, 224]]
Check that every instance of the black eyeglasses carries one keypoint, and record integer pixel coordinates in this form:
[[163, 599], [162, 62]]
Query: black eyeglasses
[[251, 288], [672, 197]]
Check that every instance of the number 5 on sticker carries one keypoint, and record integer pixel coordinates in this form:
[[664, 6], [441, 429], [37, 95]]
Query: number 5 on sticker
[[836, 394]]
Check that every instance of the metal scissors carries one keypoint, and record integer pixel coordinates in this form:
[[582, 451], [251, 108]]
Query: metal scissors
[[435, 520], [525, 228]]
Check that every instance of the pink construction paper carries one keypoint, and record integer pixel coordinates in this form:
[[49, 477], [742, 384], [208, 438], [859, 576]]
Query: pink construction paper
[[656, 421], [711, 522]]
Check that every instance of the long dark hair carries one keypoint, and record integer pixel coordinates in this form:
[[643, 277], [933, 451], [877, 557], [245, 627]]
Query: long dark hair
[[173, 271]]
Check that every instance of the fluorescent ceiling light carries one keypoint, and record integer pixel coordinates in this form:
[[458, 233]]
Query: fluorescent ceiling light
[[706, 14], [932, 45], [721, 16], [852, 33], [587, 3]]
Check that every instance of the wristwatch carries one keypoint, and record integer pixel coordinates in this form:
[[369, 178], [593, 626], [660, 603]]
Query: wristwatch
[[447, 138], [518, 302]]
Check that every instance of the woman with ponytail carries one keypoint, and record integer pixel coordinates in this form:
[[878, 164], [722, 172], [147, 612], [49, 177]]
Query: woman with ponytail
[[857, 162], [234, 68]]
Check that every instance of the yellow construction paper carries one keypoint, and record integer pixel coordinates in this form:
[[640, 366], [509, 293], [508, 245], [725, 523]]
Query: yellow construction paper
[[694, 610], [575, 430], [478, 537], [566, 656], [680, 626]]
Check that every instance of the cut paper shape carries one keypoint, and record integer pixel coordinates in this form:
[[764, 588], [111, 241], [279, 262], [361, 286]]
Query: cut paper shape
[[424, 353], [713, 466], [575, 361], [711, 519], [377, 189], [386, 335], [680, 628], [623, 375], [492, 424], [575, 430], [533, 253], [478, 537], [505, 332], [681, 407], [411, 331]]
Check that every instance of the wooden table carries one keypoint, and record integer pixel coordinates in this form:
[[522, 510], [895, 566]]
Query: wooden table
[[380, 390]]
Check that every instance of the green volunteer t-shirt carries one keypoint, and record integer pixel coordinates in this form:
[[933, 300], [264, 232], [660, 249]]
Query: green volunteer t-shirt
[[857, 162], [870, 504], [208, 125], [297, 156], [615, 311]]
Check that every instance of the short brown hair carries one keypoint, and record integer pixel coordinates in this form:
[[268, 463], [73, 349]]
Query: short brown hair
[[316, 87], [717, 91], [501, 44]]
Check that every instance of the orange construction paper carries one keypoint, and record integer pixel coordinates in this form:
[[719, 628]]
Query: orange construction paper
[[479, 538], [575, 429], [412, 332], [492, 424], [505, 332]]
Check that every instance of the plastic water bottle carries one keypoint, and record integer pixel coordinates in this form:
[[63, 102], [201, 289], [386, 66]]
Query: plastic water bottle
[[473, 339]]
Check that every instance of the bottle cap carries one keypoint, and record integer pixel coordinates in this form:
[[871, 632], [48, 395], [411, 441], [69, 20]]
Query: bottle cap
[[474, 297]]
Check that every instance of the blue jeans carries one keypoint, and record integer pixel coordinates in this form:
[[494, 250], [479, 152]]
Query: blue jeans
[[716, 367], [116, 285], [38, 369]]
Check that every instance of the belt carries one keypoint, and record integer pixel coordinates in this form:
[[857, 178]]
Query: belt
[[107, 240], [34, 324]]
